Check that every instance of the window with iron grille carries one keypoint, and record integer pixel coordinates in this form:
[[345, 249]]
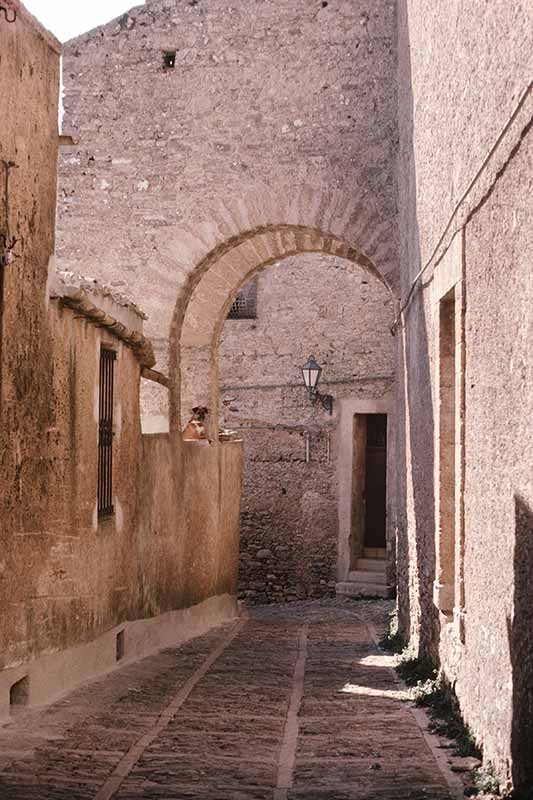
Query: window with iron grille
[[105, 433], [245, 304]]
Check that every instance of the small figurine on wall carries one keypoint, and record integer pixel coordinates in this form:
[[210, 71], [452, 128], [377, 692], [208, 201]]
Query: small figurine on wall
[[195, 428]]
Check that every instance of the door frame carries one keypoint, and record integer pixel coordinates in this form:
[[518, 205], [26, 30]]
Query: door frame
[[349, 407]]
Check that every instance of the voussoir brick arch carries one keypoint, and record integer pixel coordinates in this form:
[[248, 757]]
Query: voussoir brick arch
[[310, 223]]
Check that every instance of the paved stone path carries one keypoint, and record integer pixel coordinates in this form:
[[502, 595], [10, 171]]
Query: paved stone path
[[286, 705]]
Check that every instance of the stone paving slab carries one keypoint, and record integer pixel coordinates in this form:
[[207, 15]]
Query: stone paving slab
[[184, 792], [106, 715], [431, 793], [323, 702], [379, 751]]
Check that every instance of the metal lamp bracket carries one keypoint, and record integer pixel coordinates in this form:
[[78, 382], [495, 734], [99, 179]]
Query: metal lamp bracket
[[326, 400]]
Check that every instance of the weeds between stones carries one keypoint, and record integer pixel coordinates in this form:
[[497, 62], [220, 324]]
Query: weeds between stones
[[429, 690], [392, 640], [485, 781], [434, 694]]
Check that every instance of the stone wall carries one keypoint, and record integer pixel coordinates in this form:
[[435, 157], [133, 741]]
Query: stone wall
[[309, 304], [70, 577], [464, 486], [71, 582], [498, 487], [188, 538], [171, 161], [28, 153]]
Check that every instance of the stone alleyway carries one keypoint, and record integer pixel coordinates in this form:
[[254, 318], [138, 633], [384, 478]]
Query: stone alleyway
[[293, 702]]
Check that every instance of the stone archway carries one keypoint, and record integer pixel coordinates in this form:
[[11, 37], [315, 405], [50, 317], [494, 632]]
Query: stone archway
[[199, 317], [198, 322], [224, 244], [298, 458], [217, 289]]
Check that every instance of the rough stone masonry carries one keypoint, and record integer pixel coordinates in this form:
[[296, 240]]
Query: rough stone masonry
[[309, 304], [305, 95]]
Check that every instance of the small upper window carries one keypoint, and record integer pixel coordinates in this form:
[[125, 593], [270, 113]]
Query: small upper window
[[245, 304], [169, 59]]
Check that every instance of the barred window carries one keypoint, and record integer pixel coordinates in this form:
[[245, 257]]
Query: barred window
[[105, 433], [245, 304]]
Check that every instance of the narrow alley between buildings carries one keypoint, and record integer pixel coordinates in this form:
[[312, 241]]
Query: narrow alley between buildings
[[266, 373], [288, 702]]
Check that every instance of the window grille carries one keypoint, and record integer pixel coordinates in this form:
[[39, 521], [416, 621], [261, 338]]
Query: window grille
[[105, 433], [245, 304]]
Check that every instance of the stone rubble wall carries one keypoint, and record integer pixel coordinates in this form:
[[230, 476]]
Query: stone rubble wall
[[309, 304], [289, 526]]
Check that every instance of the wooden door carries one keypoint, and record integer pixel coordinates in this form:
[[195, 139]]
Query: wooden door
[[357, 537], [376, 481]]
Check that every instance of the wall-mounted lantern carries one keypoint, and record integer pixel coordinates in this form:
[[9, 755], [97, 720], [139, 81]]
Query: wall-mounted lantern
[[311, 372]]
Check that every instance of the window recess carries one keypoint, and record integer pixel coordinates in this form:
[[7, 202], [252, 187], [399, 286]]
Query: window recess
[[245, 304], [105, 433]]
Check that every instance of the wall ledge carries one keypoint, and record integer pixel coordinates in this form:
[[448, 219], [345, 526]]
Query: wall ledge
[[99, 305]]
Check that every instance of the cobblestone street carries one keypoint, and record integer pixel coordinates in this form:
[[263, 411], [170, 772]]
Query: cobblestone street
[[291, 702]]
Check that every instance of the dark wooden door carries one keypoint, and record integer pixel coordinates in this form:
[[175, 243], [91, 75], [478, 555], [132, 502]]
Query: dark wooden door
[[376, 480]]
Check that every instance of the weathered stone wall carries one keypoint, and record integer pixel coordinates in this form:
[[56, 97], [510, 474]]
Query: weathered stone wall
[[309, 304], [62, 579], [499, 468], [66, 577], [30, 68], [465, 188], [171, 543], [188, 540], [173, 161]]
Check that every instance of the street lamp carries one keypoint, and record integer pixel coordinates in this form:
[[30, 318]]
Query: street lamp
[[311, 372]]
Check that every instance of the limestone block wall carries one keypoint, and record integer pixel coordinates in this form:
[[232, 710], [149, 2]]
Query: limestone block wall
[[309, 304], [261, 100], [465, 468]]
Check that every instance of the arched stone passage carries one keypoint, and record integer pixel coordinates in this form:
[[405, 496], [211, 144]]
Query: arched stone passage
[[197, 328], [301, 464], [259, 221]]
